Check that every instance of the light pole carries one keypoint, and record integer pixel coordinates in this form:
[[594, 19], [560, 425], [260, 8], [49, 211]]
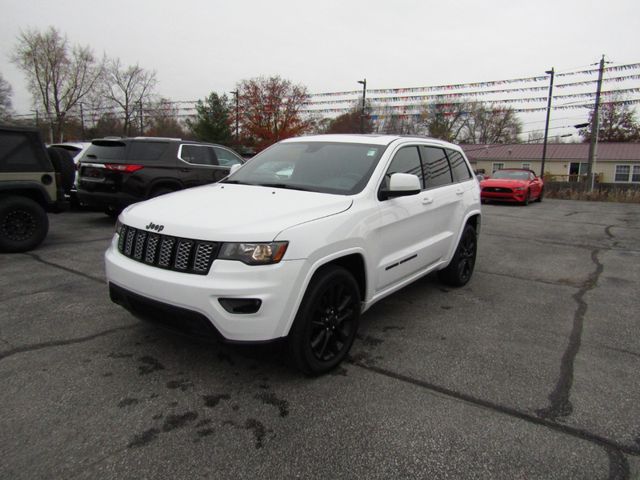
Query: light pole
[[364, 97], [235, 93], [546, 125]]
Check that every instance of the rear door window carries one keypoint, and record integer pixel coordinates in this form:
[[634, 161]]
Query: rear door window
[[436, 167], [198, 155], [147, 150]]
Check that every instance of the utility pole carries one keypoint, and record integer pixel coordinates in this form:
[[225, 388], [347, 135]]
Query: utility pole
[[82, 120], [236, 93], [595, 126], [141, 118], [546, 125], [364, 96]]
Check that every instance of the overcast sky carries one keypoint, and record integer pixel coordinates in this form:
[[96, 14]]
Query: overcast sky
[[199, 46]]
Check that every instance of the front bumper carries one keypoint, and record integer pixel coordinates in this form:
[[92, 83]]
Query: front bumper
[[504, 196], [277, 286]]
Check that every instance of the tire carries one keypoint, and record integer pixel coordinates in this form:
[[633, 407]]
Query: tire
[[112, 211], [460, 269], [527, 199], [539, 199], [62, 162], [326, 323], [23, 224]]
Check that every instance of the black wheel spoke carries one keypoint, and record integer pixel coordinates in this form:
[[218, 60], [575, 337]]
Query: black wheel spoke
[[316, 341], [327, 337]]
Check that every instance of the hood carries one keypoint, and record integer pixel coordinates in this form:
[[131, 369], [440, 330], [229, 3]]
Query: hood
[[232, 213], [502, 182]]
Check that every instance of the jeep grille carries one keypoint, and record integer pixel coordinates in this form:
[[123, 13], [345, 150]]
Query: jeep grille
[[164, 251]]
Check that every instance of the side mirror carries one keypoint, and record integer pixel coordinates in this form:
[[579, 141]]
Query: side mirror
[[401, 185], [234, 168]]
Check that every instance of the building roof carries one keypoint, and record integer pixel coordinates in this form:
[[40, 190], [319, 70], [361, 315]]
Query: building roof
[[555, 151]]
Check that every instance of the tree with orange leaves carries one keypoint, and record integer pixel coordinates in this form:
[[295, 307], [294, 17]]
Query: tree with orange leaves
[[270, 110]]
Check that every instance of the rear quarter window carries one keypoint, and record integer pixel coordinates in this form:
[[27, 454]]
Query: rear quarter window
[[20, 153]]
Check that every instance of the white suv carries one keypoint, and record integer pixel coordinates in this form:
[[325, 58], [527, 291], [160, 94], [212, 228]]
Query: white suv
[[300, 241]]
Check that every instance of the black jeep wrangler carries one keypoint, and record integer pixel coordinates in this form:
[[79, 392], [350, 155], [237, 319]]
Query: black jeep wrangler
[[116, 172], [33, 181]]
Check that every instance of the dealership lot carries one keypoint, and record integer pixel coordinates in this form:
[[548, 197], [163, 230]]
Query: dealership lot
[[530, 371]]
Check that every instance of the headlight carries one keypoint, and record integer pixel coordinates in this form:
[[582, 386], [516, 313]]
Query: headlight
[[253, 253]]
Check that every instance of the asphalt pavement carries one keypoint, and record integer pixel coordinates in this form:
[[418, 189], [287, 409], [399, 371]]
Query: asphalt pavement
[[530, 371]]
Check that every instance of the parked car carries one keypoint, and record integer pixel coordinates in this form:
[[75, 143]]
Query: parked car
[[512, 185], [33, 181], [299, 241], [114, 173]]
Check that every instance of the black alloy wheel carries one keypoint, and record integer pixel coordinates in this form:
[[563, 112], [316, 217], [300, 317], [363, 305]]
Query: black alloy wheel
[[327, 321], [460, 269], [539, 199], [527, 198], [23, 224]]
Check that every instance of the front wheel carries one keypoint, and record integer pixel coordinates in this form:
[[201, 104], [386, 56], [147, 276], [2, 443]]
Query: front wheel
[[326, 323], [460, 269], [539, 199]]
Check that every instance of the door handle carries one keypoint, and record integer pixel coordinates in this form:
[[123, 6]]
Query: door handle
[[459, 191], [427, 200]]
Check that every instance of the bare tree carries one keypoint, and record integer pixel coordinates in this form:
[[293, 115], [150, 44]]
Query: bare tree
[[6, 108], [58, 75], [486, 125], [164, 119], [130, 89], [445, 121]]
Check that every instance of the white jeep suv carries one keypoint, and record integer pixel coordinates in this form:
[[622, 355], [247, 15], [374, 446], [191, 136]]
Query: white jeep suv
[[300, 241]]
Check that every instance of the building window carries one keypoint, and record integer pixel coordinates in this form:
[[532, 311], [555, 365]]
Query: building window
[[497, 166], [622, 173], [635, 176], [526, 166]]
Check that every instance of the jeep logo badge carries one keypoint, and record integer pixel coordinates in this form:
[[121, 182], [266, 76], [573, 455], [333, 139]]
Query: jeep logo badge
[[153, 226]]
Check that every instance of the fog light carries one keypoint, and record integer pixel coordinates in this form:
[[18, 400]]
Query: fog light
[[241, 305]]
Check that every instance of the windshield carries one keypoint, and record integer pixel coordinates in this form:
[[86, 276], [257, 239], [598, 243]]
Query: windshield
[[326, 167], [511, 174]]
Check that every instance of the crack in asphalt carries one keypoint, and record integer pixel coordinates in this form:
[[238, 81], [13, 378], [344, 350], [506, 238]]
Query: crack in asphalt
[[618, 465], [579, 433], [59, 343], [530, 279], [560, 402], [562, 244], [66, 269]]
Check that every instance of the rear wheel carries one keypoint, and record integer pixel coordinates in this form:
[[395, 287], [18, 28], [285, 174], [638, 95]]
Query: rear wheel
[[23, 224], [326, 323], [460, 269]]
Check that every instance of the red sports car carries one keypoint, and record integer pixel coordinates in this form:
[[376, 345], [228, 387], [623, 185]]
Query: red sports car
[[512, 185]]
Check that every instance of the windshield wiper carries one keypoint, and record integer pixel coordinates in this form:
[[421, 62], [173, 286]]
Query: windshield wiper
[[286, 186]]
